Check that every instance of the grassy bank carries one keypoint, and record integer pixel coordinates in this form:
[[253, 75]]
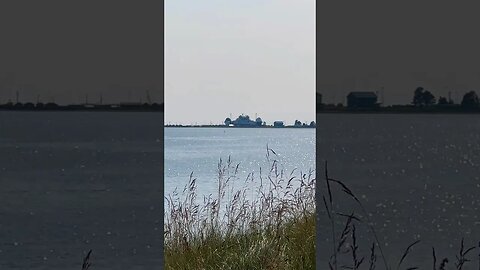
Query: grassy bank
[[271, 226]]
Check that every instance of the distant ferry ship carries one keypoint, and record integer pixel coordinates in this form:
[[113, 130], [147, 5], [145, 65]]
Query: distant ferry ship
[[245, 121]]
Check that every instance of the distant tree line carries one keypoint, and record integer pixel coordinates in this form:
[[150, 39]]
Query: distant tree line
[[422, 97], [470, 100], [54, 106]]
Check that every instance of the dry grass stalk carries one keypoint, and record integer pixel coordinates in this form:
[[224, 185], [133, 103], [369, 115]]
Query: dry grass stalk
[[350, 193], [443, 264], [264, 213], [86, 261], [461, 258], [373, 258], [406, 252]]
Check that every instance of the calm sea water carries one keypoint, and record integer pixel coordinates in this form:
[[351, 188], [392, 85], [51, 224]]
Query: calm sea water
[[77, 181], [199, 150], [418, 177], [74, 181]]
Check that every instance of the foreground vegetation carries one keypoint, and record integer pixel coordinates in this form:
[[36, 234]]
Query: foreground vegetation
[[345, 245], [271, 226]]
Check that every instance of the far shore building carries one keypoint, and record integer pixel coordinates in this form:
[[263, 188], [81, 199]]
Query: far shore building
[[362, 100]]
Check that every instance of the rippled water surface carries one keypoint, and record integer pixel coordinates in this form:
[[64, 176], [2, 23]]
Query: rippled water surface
[[199, 150], [74, 181], [418, 176]]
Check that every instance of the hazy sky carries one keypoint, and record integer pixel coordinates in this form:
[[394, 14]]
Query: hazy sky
[[250, 56], [399, 86], [364, 45], [63, 50]]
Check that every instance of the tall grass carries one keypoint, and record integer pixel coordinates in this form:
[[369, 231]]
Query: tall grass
[[265, 221], [86, 261], [345, 245]]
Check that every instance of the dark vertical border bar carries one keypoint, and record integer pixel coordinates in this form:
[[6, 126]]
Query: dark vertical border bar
[[318, 163], [68, 36], [162, 139]]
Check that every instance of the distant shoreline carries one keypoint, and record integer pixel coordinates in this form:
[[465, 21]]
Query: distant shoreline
[[81, 108], [383, 111], [398, 109], [223, 126], [321, 108]]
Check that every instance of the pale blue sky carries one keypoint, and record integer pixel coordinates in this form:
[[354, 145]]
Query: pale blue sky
[[250, 56]]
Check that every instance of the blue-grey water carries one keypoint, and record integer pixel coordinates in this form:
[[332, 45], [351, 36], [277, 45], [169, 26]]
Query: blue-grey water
[[418, 177], [199, 150], [75, 181]]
